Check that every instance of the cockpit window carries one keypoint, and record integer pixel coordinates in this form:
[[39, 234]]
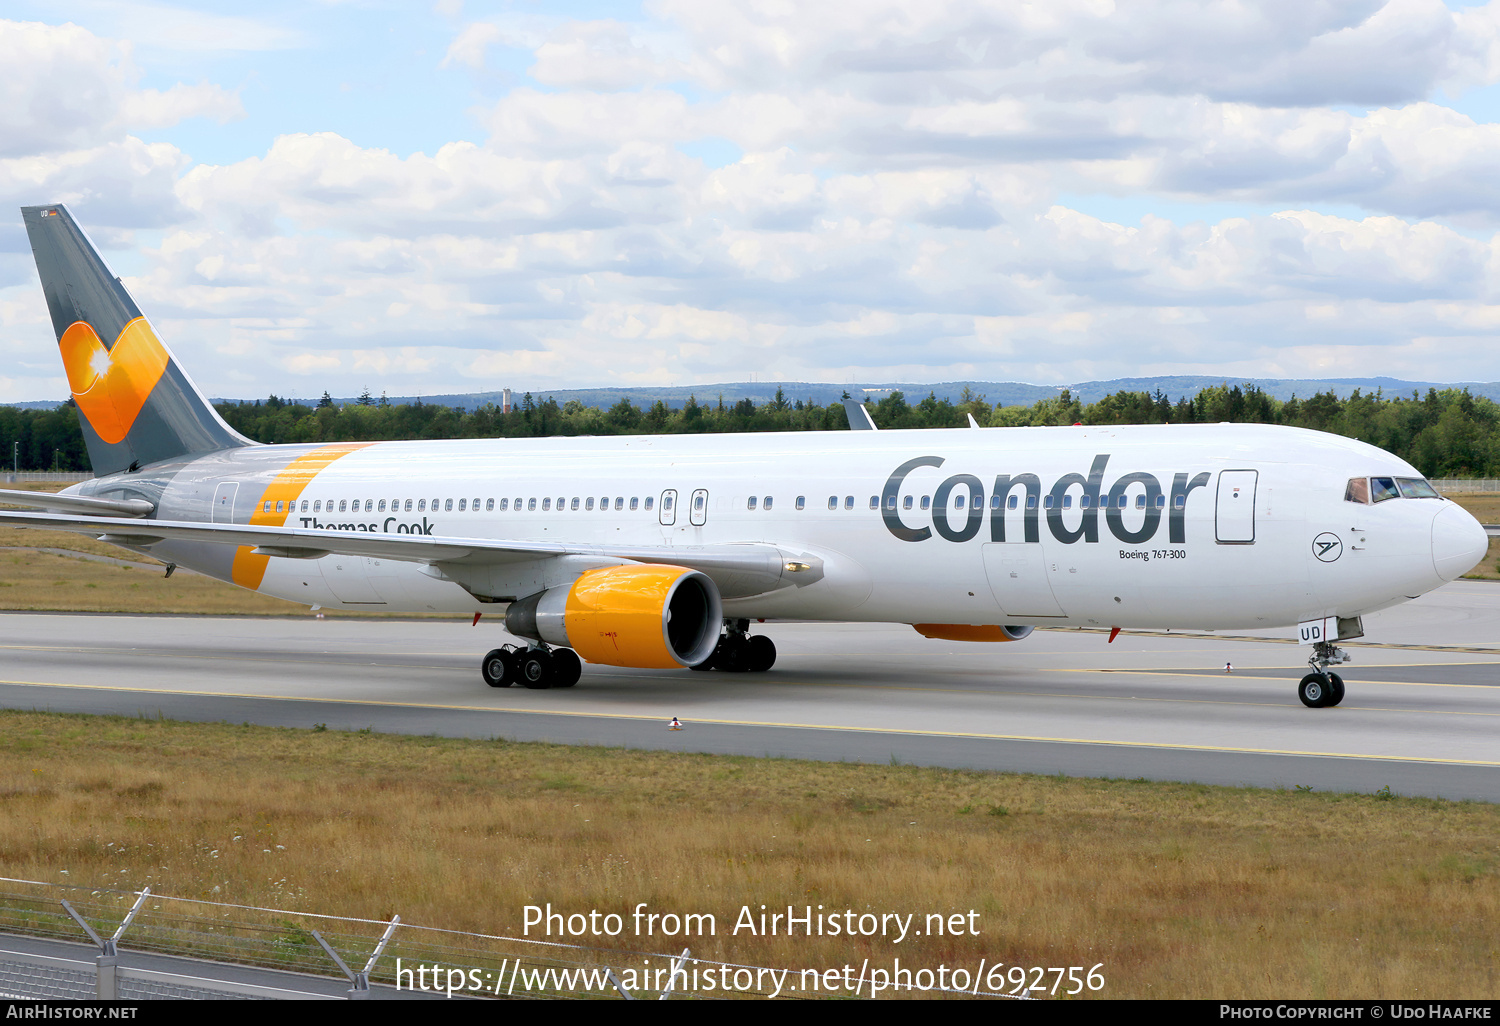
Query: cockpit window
[[1416, 488], [1382, 488], [1358, 491]]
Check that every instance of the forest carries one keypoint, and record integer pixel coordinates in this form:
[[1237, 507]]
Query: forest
[[1448, 433]]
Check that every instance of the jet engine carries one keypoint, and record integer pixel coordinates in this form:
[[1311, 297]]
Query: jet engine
[[970, 632], [647, 616]]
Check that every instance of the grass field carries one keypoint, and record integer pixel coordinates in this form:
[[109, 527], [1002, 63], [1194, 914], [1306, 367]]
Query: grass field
[[1179, 890]]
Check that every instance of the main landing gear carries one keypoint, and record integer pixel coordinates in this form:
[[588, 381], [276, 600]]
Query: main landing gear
[[537, 667], [1322, 688], [739, 651]]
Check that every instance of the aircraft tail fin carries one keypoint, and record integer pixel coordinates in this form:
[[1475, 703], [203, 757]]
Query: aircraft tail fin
[[135, 403]]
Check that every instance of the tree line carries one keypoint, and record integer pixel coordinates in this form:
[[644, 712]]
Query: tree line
[[1448, 433]]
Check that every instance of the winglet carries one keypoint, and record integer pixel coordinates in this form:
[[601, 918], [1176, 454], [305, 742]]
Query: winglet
[[972, 422], [859, 417]]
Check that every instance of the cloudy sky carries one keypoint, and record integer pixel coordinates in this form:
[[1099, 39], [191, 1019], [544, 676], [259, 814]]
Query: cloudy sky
[[465, 195]]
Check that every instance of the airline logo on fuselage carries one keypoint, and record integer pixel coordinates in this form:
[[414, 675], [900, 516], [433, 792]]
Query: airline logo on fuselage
[[383, 528], [1032, 505]]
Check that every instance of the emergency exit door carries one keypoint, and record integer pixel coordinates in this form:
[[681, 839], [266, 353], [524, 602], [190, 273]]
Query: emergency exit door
[[1234, 509]]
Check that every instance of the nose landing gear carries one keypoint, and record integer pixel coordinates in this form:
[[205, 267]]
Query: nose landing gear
[[1321, 688], [739, 651]]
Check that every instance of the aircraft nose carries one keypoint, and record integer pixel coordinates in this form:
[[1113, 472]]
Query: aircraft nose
[[1458, 542]]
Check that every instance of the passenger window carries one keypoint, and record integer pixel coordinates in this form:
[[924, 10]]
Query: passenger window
[[750, 502], [1013, 501], [489, 504], [1140, 501], [588, 503], [994, 502], [635, 502], [421, 505], [848, 502], [574, 504], [1067, 502], [801, 502], [698, 502], [1030, 502], [1382, 488], [604, 502], [461, 505], [874, 502], [1161, 500], [1358, 490], [666, 502], [317, 505], [475, 506], [958, 501], [926, 501], [1047, 502], [369, 505], [530, 505], [650, 499], [906, 502], [505, 505], [448, 507], [546, 504], [890, 502], [1084, 500], [1179, 501], [279, 505], [833, 502], [619, 502], [341, 504], [767, 503], [408, 505], [382, 506]]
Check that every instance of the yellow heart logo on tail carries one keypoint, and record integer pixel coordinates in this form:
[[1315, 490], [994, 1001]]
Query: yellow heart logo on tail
[[112, 385]]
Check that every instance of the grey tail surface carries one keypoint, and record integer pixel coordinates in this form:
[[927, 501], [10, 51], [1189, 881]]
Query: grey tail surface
[[135, 404]]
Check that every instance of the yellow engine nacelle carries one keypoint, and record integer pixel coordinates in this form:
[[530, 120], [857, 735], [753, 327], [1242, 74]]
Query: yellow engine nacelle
[[970, 632], [637, 615]]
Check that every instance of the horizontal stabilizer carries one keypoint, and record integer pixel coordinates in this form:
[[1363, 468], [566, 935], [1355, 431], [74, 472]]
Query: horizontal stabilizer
[[76, 504]]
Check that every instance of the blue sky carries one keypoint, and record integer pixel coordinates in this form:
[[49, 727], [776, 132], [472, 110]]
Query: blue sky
[[467, 196]]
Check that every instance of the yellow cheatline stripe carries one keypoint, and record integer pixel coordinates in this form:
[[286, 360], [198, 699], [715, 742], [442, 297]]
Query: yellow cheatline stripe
[[775, 723], [248, 569]]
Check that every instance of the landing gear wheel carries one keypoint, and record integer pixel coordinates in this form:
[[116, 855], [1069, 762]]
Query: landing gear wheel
[[1335, 690], [1315, 690], [497, 669], [566, 667], [733, 654], [762, 653], [534, 669]]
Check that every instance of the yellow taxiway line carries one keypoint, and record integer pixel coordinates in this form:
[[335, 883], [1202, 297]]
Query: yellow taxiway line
[[773, 723]]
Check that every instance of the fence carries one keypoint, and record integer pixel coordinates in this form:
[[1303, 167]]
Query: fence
[[65, 477], [1447, 485], [392, 953]]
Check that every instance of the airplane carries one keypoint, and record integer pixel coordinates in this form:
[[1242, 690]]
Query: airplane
[[658, 551]]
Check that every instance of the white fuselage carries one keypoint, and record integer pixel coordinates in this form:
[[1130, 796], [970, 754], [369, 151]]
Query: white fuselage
[[1230, 546]]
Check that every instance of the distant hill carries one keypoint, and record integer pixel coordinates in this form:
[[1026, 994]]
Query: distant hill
[[1008, 393]]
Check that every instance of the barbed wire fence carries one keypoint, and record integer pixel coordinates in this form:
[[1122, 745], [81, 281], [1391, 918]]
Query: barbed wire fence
[[393, 953]]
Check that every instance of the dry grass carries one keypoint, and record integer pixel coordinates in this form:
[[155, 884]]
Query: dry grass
[[1180, 890]]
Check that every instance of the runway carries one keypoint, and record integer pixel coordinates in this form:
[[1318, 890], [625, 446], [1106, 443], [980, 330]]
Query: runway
[[1422, 714]]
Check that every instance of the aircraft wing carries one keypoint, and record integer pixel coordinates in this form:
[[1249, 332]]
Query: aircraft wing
[[757, 560]]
